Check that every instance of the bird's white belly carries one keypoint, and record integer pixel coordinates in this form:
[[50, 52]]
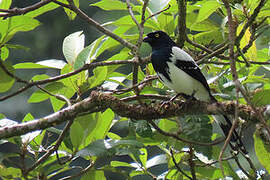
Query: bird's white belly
[[184, 83]]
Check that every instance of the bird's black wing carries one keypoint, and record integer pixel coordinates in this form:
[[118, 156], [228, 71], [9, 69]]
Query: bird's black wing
[[193, 70]]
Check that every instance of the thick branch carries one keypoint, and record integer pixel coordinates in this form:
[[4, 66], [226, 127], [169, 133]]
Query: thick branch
[[101, 101], [19, 11]]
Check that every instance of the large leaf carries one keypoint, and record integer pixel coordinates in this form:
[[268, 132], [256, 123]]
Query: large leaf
[[72, 46], [100, 74], [208, 8], [40, 95], [4, 53], [252, 51], [88, 54], [76, 134], [71, 14], [261, 98], [6, 81], [111, 5], [262, 152], [50, 63], [109, 147], [5, 4], [43, 9], [10, 26], [94, 175]]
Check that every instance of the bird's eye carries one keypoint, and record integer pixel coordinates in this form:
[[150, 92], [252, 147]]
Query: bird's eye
[[157, 35]]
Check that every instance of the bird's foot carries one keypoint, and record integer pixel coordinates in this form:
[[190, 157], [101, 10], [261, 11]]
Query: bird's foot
[[167, 103]]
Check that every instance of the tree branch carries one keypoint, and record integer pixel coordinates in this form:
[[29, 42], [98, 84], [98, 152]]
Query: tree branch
[[19, 11], [100, 101], [99, 27]]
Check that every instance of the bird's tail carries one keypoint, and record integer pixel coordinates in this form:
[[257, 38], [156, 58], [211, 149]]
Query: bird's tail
[[235, 141], [225, 124]]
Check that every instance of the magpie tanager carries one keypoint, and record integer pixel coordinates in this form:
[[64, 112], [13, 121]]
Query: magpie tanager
[[177, 70]]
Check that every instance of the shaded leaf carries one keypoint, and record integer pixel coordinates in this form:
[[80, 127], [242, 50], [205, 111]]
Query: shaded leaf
[[76, 134], [94, 175], [6, 82], [39, 95], [100, 74], [261, 98], [10, 26], [108, 147], [262, 152], [111, 5], [208, 8]]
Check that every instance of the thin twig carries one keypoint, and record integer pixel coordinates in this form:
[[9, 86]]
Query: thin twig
[[145, 81], [19, 11], [11, 74], [85, 170], [177, 166], [57, 96], [63, 76], [175, 136], [250, 21], [98, 26], [157, 13], [191, 162], [54, 148]]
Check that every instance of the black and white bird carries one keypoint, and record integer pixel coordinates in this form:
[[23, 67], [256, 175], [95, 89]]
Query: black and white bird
[[178, 71]]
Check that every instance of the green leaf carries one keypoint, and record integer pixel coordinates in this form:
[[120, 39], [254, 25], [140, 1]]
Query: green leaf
[[11, 173], [143, 129], [167, 125], [4, 53], [104, 124], [40, 77], [6, 82], [207, 37], [28, 65], [94, 175], [2, 116], [39, 95], [109, 147], [251, 53], [88, 54], [205, 25], [76, 134], [73, 45], [100, 75], [262, 152], [208, 8], [167, 23], [10, 26], [5, 4], [143, 156], [261, 98], [111, 5], [42, 10], [120, 164], [89, 124], [28, 117], [71, 14]]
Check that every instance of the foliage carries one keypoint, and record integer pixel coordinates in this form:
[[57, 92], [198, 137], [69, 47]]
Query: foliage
[[100, 144]]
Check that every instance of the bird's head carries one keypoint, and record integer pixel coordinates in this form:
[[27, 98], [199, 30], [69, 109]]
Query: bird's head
[[158, 39]]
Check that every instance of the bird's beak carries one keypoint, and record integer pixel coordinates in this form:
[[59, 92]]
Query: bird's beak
[[146, 39]]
